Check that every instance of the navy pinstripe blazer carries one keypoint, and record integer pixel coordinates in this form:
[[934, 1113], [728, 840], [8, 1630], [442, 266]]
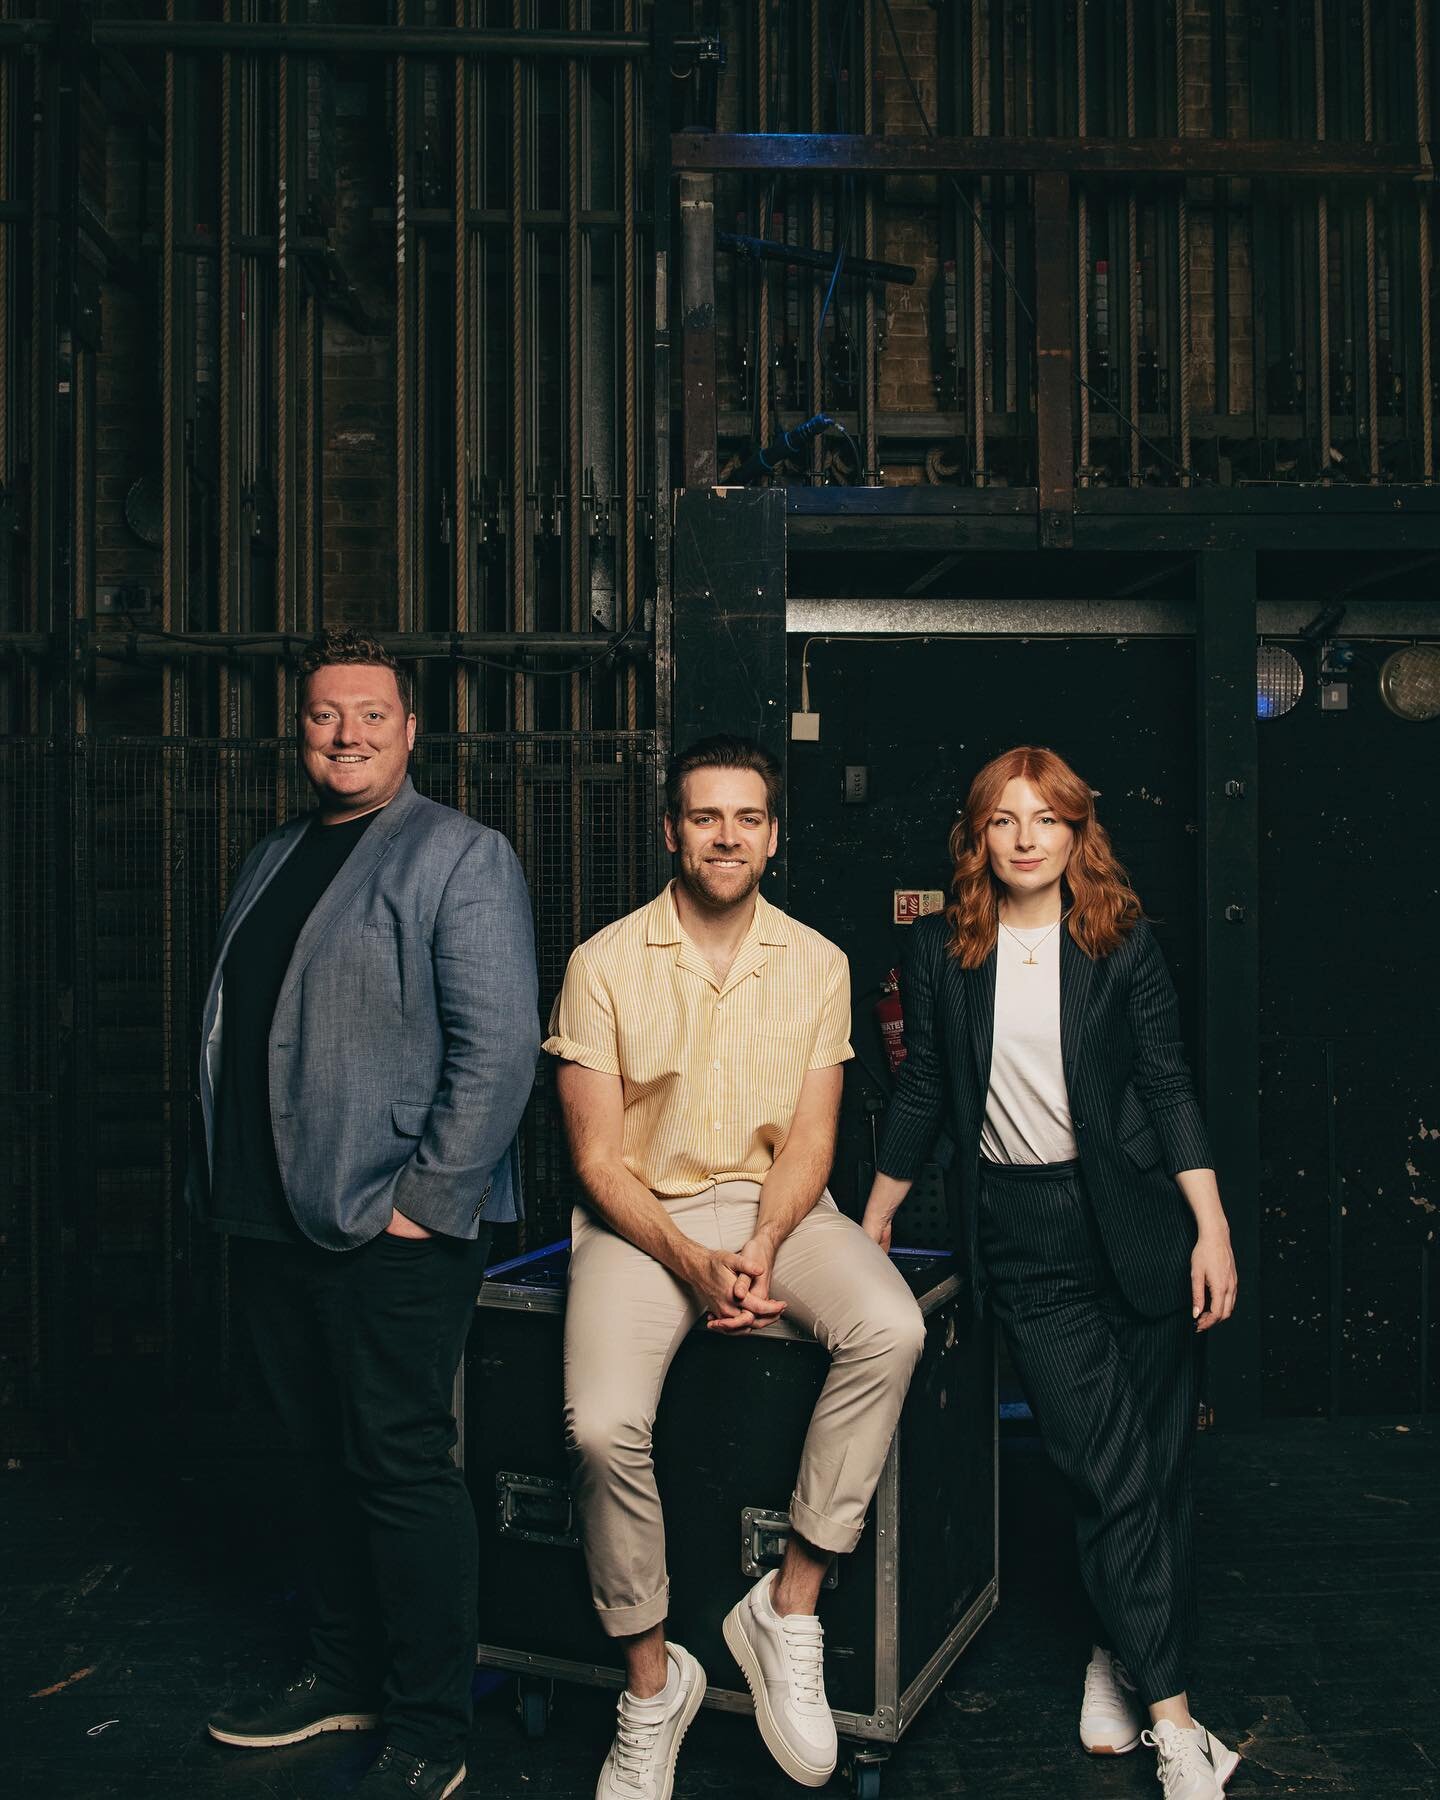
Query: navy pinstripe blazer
[[1132, 1102]]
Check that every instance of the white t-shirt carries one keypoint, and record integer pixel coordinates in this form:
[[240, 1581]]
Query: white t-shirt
[[1027, 1109]]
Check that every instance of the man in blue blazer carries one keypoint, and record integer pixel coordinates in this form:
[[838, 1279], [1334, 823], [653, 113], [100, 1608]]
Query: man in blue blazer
[[368, 1047]]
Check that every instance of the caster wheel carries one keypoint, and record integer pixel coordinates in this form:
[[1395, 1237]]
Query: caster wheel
[[865, 1783], [533, 1705]]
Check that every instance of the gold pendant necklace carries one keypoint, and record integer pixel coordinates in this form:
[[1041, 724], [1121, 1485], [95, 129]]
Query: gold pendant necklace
[[1029, 961]]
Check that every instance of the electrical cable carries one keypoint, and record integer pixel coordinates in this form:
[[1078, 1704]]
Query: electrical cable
[[1000, 264]]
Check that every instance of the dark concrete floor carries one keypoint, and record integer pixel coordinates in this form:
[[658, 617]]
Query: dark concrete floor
[[134, 1598]]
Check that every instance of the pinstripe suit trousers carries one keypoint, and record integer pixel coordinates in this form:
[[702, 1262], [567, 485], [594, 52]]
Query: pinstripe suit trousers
[[1113, 1393]]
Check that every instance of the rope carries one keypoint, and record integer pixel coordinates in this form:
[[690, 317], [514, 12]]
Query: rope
[[1372, 322], [871, 470], [1322, 240], [575, 453], [1422, 201], [169, 598], [1182, 251]]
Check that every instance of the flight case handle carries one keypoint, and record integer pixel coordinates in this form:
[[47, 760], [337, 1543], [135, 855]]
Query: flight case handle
[[763, 1537], [535, 1509]]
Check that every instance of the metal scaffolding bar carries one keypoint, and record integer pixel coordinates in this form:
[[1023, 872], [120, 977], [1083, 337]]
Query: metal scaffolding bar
[[837, 153], [467, 41]]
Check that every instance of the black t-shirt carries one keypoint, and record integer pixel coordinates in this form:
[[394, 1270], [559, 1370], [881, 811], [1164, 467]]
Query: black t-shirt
[[248, 1198]]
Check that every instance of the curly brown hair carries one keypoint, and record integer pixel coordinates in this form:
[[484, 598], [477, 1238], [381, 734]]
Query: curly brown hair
[[345, 644], [1103, 905]]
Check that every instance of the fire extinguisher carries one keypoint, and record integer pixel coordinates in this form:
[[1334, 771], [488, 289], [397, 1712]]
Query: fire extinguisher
[[890, 1018]]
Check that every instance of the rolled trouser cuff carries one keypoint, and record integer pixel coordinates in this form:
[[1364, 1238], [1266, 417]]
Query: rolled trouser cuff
[[823, 1533], [629, 1621]]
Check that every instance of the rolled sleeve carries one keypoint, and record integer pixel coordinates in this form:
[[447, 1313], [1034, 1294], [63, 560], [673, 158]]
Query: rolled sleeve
[[832, 1041], [582, 1021]]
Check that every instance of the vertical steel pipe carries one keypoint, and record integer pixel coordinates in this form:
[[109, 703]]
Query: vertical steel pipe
[[762, 271], [1132, 260], [284, 500], [461, 236], [225, 481], [6, 427], [1082, 242], [1372, 320], [1182, 257], [630, 375], [574, 454], [404, 437], [868, 359], [1422, 203], [816, 283], [519, 537], [977, 242], [1322, 252]]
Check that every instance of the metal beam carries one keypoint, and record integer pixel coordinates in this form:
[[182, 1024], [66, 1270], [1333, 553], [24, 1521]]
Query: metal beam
[[1229, 926], [356, 40], [837, 153]]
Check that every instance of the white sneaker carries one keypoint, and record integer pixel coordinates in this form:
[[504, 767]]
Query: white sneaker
[[1193, 1765], [1111, 1717], [641, 1763], [783, 1662]]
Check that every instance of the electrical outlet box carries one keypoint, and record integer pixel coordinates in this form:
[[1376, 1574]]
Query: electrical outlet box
[[857, 783], [1335, 696], [805, 727], [115, 601]]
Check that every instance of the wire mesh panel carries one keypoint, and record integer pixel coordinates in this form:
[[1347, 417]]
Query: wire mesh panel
[[161, 827], [29, 1045]]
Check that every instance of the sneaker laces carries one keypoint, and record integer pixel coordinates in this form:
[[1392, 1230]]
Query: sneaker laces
[[1107, 1681], [1179, 1755], [805, 1646], [637, 1728]]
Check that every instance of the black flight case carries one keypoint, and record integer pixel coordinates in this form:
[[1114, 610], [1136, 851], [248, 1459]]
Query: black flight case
[[733, 1415]]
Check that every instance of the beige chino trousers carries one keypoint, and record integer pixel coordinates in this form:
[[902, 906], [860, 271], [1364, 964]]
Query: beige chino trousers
[[625, 1317]]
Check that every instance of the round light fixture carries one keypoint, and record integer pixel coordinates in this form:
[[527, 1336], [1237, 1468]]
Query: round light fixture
[[1410, 682], [1279, 681]]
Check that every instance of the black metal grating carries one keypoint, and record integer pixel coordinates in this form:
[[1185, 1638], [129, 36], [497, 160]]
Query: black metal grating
[[159, 828]]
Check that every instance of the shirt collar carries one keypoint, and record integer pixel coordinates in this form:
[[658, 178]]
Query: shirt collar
[[769, 925]]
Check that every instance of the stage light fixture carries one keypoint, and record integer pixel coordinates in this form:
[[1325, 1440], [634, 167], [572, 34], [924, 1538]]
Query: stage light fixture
[[1410, 682], [1279, 682]]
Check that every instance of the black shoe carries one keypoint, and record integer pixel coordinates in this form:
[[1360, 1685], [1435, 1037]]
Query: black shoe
[[303, 1708], [397, 1775]]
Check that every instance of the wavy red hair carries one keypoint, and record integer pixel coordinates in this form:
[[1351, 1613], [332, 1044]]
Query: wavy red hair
[[1103, 905]]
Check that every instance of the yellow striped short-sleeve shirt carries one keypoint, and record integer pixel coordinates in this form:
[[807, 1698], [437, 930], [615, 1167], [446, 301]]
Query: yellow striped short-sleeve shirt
[[711, 1073]]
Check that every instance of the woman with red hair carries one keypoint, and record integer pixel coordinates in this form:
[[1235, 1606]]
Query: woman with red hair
[[1042, 1033]]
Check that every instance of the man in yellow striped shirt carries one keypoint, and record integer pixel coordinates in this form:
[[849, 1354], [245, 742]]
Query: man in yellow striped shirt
[[702, 1039]]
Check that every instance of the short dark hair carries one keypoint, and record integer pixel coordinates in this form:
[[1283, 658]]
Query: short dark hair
[[722, 751], [344, 644]]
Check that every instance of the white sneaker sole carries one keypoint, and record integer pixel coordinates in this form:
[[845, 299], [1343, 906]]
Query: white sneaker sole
[[1110, 1749], [456, 1784], [335, 1722], [1226, 1766], [693, 1702], [745, 1654]]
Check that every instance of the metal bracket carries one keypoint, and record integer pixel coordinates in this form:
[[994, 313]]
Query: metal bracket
[[763, 1537], [535, 1509]]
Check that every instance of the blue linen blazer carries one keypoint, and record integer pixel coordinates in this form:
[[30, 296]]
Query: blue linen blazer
[[1132, 1101], [404, 1041]]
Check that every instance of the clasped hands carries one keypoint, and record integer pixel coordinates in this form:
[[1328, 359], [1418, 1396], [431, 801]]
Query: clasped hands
[[733, 1286]]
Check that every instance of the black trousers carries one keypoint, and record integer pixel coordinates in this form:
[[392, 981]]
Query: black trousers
[[1114, 1397], [358, 1351]]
